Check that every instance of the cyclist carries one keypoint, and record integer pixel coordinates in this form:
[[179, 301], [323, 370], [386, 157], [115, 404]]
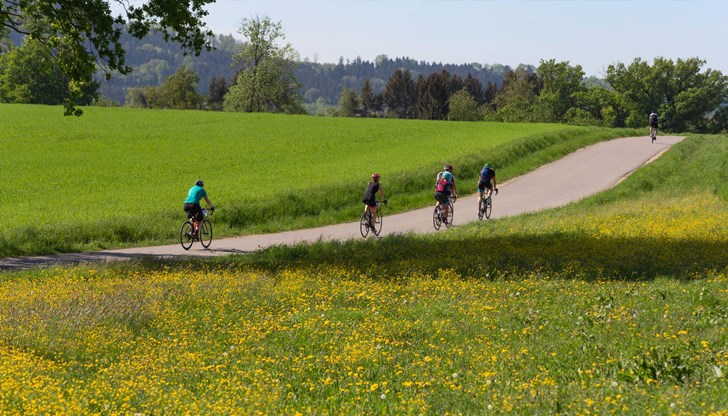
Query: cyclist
[[487, 182], [370, 197], [192, 203], [444, 188], [653, 125]]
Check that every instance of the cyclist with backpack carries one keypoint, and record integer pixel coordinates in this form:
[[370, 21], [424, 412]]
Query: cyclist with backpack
[[653, 125], [486, 182], [444, 188], [192, 203], [370, 197]]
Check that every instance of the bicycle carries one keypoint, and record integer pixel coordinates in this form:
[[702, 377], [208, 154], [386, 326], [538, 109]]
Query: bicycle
[[653, 133], [438, 216], [366, 224], [192, 231], [485, 206]]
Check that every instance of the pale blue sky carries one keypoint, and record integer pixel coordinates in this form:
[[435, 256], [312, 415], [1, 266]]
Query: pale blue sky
[[590, 33]]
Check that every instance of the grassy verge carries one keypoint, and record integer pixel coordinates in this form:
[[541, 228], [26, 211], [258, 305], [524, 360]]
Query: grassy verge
[[116, 177], [615, 304]]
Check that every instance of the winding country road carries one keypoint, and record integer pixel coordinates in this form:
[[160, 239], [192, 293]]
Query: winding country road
[[580, 174]]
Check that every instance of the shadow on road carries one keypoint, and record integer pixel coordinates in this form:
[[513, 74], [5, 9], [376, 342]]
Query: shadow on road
[[67, 259]]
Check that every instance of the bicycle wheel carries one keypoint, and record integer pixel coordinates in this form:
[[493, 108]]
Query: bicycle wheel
[[185, 235], [450, 215], [481, 210], [377, 223], [205, 232], [364, 224], [488, 207], [437, 218]]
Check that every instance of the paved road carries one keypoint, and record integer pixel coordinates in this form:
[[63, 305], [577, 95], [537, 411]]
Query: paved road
[[580, 174]]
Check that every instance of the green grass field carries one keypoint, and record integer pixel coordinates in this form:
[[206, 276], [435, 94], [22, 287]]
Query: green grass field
[[117, 177], [617, 304]]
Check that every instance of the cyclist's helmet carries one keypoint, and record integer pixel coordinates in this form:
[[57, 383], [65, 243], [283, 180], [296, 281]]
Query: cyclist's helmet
[[448, 168], [375, 177], [447, 176], [487, 164], [200, 183]]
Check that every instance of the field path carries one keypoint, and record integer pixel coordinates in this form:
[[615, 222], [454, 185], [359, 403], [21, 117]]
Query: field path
[[585, 172]]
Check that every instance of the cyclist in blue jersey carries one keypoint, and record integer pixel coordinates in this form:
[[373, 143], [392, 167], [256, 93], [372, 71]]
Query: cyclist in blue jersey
[[192, 204], [487, 181]]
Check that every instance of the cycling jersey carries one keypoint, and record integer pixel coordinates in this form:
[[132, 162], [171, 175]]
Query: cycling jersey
[[195, 195]]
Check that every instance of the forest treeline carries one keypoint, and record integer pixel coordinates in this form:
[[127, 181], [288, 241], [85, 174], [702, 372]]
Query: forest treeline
[[153, 61], [687, 96]]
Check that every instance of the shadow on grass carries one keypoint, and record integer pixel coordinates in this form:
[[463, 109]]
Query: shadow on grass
[[557, 255]]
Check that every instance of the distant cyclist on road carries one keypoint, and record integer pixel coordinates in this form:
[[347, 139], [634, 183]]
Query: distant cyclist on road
[[444, 188], [487, 182], [370, 197], [192, 203], [653, 125]]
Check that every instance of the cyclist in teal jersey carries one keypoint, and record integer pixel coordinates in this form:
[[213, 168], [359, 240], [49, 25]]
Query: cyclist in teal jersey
[[192, 204], [444, 188]]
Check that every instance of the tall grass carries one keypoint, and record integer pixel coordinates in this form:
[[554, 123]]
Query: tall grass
[[116, 177]]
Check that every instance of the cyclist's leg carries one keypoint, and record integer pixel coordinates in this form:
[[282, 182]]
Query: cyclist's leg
[[197, 212], [446, 208]]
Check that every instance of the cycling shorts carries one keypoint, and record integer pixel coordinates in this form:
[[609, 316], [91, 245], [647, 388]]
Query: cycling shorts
[[371, 202], [483, 184], [443, 197], [193, 210]]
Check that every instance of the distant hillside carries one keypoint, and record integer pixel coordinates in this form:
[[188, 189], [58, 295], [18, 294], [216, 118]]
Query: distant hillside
[[153, 60]]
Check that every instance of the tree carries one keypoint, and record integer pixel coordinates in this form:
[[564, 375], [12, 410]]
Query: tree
[[474, 88], [367, 98], [400, 94], [561, 83], [463, 107], [491, 91], [349, 103], [138, 97], [216, 93], [682, 94], [179, 91], [596, 106], [29, 75], [434, 92], [516, 97], [82, 35], [634, 89], [266, 81]]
